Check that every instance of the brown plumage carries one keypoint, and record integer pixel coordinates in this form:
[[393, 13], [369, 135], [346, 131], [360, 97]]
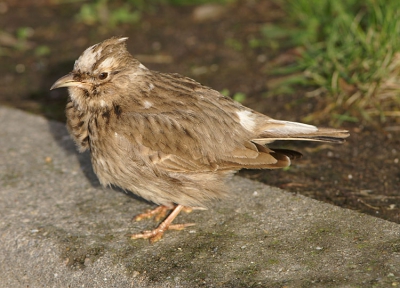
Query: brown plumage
[[166, 137]]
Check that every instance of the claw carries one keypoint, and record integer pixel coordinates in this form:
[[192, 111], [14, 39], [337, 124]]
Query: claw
[[157, 233]]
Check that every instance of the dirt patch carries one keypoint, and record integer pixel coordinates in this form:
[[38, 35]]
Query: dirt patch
[[362, 174]]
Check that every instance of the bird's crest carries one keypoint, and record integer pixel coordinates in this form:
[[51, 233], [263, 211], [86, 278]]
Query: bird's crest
[[91, 56]]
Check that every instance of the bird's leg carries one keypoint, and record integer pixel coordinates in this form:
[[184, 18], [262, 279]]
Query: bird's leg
[[157, 213], [160, 212], [157, 233]]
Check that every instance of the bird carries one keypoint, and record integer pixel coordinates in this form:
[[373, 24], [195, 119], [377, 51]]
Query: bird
[[166, 137]]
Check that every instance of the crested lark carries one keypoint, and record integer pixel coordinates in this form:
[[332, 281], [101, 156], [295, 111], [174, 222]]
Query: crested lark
[[166, 137]]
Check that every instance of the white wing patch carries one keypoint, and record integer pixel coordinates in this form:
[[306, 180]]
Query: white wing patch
[[287, 127], [147, 104], [246, 119]]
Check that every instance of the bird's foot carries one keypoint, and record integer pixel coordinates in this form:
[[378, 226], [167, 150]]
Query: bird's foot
[[157, 233]]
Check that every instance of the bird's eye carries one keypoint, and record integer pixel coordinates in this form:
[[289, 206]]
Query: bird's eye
[[103, 75]]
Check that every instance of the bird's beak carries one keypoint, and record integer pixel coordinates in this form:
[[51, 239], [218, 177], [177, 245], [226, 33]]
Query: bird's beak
[[66, 81]]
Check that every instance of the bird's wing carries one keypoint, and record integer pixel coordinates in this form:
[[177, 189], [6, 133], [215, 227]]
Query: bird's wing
[[182, 143], [188, 127]]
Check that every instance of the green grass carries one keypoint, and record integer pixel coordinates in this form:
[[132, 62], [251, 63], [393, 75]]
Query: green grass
[[350, 53], [113, 13]]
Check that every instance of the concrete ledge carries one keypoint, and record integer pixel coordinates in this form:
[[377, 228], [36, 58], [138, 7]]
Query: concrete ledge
[[59, 228]]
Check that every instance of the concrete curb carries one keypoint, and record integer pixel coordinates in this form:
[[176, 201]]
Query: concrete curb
[[59, 228]]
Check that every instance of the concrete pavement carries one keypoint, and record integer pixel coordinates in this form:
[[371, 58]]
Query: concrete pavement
[[59, 228]]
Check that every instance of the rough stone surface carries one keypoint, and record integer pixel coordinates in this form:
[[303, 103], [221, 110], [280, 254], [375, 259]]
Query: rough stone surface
[[59, 228]]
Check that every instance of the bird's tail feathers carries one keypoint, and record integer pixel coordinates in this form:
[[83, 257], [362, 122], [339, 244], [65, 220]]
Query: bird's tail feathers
[[287, 131]]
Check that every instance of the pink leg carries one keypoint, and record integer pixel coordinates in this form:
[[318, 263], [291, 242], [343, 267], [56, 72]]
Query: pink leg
[[157, 213], [157, 233]]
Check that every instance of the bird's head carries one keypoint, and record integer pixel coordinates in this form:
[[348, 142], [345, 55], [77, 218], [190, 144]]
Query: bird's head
[[101, 71]]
